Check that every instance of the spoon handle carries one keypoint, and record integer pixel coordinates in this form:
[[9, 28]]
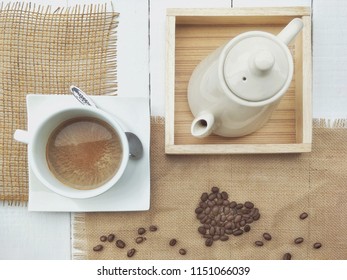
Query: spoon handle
[[81, 96]]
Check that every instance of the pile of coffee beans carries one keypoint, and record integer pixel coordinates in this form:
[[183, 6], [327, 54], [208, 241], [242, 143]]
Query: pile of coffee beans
[[221, 217]]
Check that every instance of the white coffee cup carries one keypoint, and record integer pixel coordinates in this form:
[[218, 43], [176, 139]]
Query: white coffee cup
[[37, 140]]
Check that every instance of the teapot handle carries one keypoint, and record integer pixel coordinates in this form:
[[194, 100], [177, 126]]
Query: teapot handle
[[290, 31]]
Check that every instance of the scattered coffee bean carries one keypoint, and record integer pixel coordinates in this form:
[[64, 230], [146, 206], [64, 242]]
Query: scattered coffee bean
[[256, 217], [224, 195], [120, 244], [141, 231], [173, 242], [131, 252], [111, 237], [247, 228], [153, 228], [199, 210], [209, 242], [140, 239], [182, 251], [298, 240], [259, 243], [237, 218], [317, 245], [303, 216], [249, 205], [216, 237], [212, 196], [267, 236], [287, 256], [98, 248], [103, 238]]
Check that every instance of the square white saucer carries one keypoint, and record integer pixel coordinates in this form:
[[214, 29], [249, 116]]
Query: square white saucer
[[132, 191]]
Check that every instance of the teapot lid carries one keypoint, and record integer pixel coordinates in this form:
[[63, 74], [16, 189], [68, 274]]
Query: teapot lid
[[257, 67]]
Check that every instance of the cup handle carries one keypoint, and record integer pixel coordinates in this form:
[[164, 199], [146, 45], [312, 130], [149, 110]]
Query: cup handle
[[21, 136]]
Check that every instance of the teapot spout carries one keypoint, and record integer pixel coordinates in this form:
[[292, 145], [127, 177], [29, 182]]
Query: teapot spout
[[202, 125], [290, 31]]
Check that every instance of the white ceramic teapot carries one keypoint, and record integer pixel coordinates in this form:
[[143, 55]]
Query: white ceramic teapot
[[234, 90]]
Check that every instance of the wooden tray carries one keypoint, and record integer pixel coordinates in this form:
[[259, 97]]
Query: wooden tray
[[191, 35]]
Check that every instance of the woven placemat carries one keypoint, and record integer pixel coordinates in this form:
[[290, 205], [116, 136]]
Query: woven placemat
[[282, 186], [44, 51]]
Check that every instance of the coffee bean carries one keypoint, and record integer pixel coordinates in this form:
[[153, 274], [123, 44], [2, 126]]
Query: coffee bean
[[215, 210], [217, 230], [103, 238], [255, 212], [287, 256], [259, 243], [224, 238], [242, 223], [203, 205], [233, 226], [246, 211], [199, 210], [212, 230], [182, 252], [249, 220], [120, 244], [228, 231], [208, 221], [111, 237], [226, 202], [239, 206], [202, 230], [219, 196], [216, 237], [303, 216], [256, 217], [249, 205], [222, 231], [212, 196], [237, 219], [140, 239], [141, 231], [317, 245], [223, 218], [173, 242], [131, 252], [227, 225], [98, 248], [210, 203], [267, 236], [206, 226], [233, 204], [204, 196], [207, 236], [225, 195], [199, 216], [209, 242], [219, 201], [213, 223], [247, 228], [298, 240], [217, 218], [238, 232], [204, 219], [153, 228], [207, 210], [226, 210], [215, 189]]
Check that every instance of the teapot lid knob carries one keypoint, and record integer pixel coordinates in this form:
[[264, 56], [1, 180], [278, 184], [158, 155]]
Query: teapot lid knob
[[264, 60]]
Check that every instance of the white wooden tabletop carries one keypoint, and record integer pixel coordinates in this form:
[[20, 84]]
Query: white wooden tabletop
[[141, 70]]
